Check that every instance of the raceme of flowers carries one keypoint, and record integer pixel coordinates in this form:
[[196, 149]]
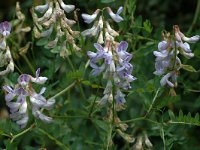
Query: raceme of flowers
[[98, 28], [17, 99], [116, 66], [167, 62], [53, 19], [19, 28], [6, 59]]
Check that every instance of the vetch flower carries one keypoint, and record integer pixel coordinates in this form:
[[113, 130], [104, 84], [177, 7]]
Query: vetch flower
[[116, 17], [16, 99], [90, 18], [115, 67], [5, 28], [167, 62]]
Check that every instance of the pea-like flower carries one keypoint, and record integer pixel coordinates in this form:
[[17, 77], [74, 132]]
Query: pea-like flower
[[5, 28], [167, 60], [17, 99], [115, 66], [116, 17]]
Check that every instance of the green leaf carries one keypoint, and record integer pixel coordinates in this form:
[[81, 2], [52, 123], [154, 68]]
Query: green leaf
[[171, 115], [188, 68], [102, 124], [147, 26], [42, 41], [180, 117], [196, 118], [107, 1]]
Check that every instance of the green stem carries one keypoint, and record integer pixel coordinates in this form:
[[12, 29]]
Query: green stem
[[23, 132], [109, 137], [65, 90], [29, 64], [53, 139], [93, 104], [72, 66], [150, 108], [196, 15]]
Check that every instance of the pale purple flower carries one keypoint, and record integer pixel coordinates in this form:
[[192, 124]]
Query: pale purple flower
[[5, 28], [116, 17], [115, 66], [90, 18], [16, 99]]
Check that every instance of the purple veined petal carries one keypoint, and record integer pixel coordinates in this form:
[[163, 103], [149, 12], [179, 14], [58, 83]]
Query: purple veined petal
[[93, 65], [67, 8], [50, 104], [42, 90], [37, 72], [115, 17], [20, 91], [186, 47], [108, 57], [39, 80], [130, 78], [91, 54], [9, 97], [41, 116], [97, 71], [162, 45], [24, 79], [98, 47], [23, 122], [23, 108], [123, 45], [15, 116], [165, 80], [192, 39], [13, 104], [159, 54], [21, 98], [8, 89], [119, 97], [90, 18], [5, 28], [119, 11], [42, 8], [38, 101]]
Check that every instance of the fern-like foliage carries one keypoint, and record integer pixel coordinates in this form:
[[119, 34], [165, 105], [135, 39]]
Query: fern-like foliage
[[184, 119]]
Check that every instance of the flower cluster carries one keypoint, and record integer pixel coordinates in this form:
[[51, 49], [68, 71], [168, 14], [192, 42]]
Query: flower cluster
[[53, 19], [97, 28], [115, 67], [142, 142], [16, 99], [167, 61], [5, 54], [20, 28]]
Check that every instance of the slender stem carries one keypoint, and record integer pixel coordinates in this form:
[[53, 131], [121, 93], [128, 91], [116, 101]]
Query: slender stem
[[72, 66], [65, 90], [196, 15], [23, 132], [53, 139], [150, 108], [109, 138], [93, 104], [29, 64], [163, 138]]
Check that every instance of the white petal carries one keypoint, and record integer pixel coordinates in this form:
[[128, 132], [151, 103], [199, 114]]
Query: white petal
[[39, 80], [67, 8], [192, 39], [42, 8]]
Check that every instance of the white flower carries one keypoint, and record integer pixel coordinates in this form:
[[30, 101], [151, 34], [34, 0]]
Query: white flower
[[116, 16], [90, 18], [42, 8]]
